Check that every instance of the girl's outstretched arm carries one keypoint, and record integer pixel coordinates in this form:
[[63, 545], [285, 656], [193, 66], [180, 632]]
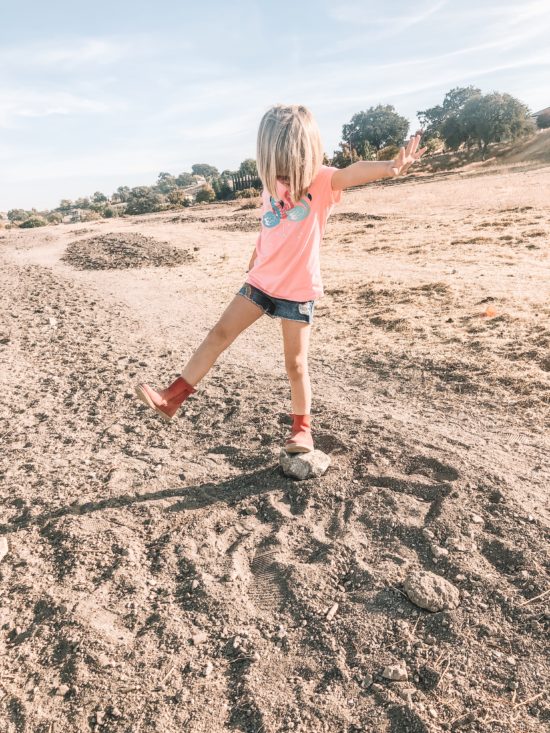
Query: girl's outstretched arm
[[365, 171]]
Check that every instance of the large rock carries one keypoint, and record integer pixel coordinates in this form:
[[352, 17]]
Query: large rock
[[431, 591], [304, 465]]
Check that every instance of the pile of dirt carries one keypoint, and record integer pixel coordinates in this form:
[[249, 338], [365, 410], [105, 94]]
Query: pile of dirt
[[121, 251]]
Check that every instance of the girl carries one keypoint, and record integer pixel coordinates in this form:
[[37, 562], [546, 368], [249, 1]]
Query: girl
[[284, 278]]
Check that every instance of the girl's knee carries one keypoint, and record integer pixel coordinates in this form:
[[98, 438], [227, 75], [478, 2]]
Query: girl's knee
[[296, 368]]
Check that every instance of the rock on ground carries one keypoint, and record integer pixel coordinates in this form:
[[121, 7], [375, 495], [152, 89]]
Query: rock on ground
[[430, 591], [304, 465]]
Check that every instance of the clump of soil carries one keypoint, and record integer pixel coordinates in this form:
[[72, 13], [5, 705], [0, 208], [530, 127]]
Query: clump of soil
[[121, 251]]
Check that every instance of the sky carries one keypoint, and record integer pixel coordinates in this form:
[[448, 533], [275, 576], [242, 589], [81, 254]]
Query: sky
[[108, 94]]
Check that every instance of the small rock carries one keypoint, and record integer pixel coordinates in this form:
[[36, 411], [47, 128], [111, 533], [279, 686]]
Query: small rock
[[439, 551], [62, 690], [199, 638], [332, 612], [100, 717], [208, 669], [395, 672], [3, 548], [430, 591], [304, 465], [194, 584], [116, 713], [406, 693], [476, 519]]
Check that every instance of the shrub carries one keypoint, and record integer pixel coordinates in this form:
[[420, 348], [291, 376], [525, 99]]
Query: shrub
[[543, 120], [252, 203], [55, 217], [387, 153], [205, 195], [247, 193], [143, 200], [90, 216], [33, 221]]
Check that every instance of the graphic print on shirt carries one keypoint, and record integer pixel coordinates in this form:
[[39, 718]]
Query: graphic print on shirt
[[285, 210]]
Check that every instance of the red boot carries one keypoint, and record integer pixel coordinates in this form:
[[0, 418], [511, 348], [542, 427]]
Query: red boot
[[300, 440], [166, 401]]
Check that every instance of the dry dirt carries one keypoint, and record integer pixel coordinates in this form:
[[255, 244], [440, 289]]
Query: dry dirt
[[167, 577]]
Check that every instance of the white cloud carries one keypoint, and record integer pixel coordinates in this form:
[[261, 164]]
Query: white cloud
[[30, 103], [71, 53]]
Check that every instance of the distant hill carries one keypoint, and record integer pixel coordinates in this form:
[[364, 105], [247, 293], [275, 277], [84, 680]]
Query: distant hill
[[535, 149]]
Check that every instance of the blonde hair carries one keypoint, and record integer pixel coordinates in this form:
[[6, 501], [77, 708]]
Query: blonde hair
[[289, 146]]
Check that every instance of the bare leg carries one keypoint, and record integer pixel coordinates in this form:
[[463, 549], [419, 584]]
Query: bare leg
[[296, 343], [239, 315]]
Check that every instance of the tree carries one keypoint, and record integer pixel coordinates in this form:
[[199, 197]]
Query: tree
[[82, 203], [143, 200], [176, 197], [185, 179], [122, 194], [166, 182], [433, 119], [65, 205], [543, 120], [205, 195], [99, 198], [376, 128], [203, 169], [248, 167], [18, 215], [494, 117]]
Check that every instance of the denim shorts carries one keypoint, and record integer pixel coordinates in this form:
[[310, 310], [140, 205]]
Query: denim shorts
[[292, 310]]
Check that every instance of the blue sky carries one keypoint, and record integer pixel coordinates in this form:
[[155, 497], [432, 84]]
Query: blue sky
[[111, 93]]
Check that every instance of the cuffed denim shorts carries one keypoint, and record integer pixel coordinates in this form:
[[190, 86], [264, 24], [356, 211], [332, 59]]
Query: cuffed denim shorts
[[292, 310]]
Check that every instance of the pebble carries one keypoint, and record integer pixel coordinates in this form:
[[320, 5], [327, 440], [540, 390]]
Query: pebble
[[62, 690], [304, 465], [430, 591], [395, 672], [208, 669], [332, 612], [476, 519], [100, 717], [199, 638], [439, 551]]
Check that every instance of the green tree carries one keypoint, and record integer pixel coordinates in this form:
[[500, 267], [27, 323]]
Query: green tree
[[185, 179], [99, 198], [205, 195], [122, 194], [176, 197], [376, 128], [18, 215], [543, 120], [143, 200], [82, 203], [248, 167], [65, 205], [166, 182], [433, 119], [203, 169], [495, 117]]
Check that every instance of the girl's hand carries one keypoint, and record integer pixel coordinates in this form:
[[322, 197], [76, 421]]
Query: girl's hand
[[407, 156]]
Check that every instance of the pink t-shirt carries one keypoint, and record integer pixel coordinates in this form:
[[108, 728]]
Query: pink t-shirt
[[287, 263]]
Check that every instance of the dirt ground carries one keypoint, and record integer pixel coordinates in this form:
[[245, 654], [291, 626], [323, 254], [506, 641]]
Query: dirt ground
[[168, 577]]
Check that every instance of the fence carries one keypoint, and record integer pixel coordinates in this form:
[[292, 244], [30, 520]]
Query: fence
[[241, 182]]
